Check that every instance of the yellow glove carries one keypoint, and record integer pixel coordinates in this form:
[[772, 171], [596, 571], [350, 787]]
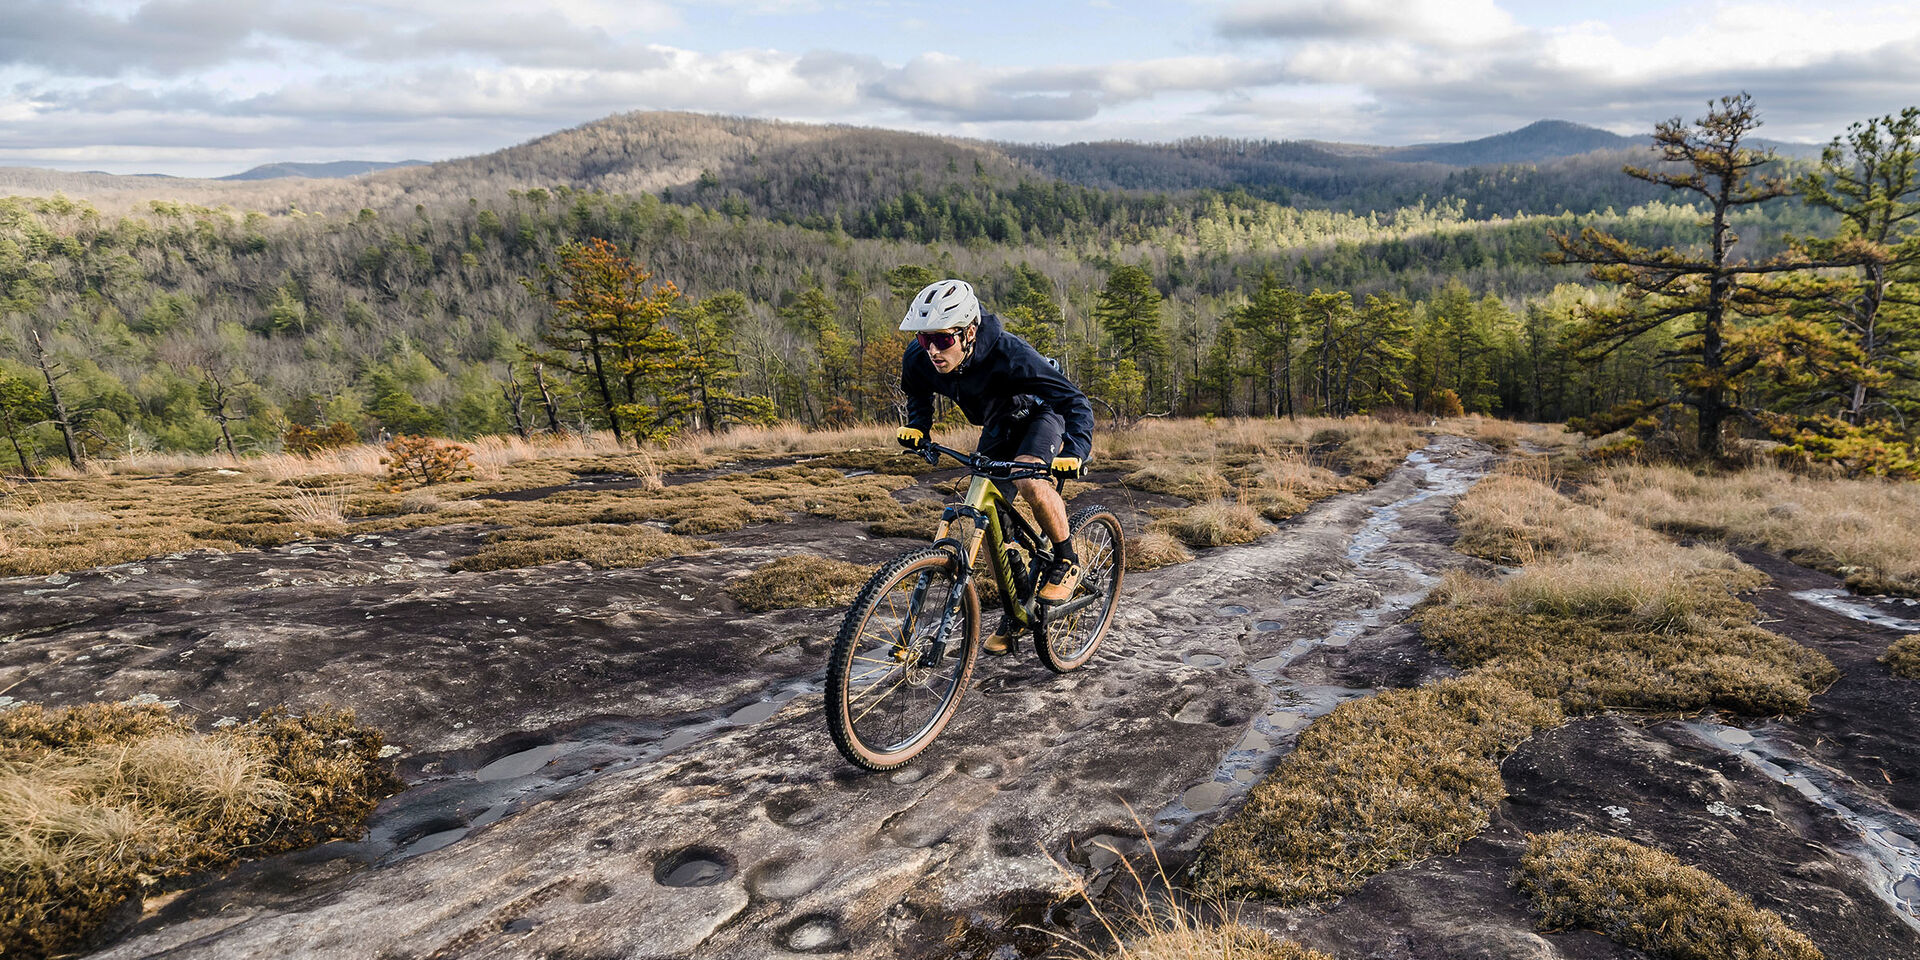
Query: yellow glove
[[910, 438], [1066, 466]]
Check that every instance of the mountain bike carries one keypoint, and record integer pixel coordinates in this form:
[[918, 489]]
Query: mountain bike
[[908, 644]]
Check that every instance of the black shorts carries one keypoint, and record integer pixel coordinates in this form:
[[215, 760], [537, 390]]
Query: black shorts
[[1039, 436]]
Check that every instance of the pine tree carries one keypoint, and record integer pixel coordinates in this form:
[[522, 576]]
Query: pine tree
[[711, 330], [1129, 311], [1708, 293], [1272, 319], [609, 325], [1871, 178]]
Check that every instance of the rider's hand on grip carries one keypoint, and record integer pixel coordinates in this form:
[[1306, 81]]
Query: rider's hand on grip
[[911, 438], [1067, 466]]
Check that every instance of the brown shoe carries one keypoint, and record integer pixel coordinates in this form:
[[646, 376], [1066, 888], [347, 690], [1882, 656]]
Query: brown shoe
[[1062, 579], [1000, 644]]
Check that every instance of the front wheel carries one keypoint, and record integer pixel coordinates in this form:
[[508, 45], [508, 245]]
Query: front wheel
[[1070, 641], [888, 694]]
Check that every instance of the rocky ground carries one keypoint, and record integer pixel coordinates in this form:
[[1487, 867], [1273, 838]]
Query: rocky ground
[[624, 763]]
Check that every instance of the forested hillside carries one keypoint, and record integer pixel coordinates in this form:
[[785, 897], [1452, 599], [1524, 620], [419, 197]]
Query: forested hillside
[[1204, 276]]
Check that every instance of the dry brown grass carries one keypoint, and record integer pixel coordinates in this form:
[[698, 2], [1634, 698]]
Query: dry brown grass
[[606, 546], [1858, 529], [1379, 782], [1155, 549], [1903, 657], [1214, 523], [1608, 615], [1648, 900], [801, 580], [1227, 941], [1364, 446], [103, 803]]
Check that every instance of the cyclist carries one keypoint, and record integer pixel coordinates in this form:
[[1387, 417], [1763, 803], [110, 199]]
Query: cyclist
[[1029, 410]]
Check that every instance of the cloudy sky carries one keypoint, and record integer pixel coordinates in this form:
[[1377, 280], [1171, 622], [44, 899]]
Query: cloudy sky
[[208, 87]]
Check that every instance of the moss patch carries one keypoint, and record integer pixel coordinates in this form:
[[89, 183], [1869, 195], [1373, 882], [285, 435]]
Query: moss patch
[[1903, 657], [801, 580], [1379, 782], [101, 804], [603, 545], [1649, 900]]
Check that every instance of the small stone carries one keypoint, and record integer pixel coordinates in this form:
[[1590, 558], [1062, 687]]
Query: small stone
[[562, 609], [1719, 809], [224, 722], [1618, 813]]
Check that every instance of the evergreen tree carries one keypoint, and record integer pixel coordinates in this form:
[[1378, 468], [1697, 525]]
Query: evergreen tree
[[1709, 293], [711, 330], [1271, 318], [21, 406], [1871, 179], [1129, 311], [609, 325]]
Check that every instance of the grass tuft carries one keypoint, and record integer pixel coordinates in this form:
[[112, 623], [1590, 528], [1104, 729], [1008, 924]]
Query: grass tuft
[[1214, 523], [1155, 549], [1648, 900], [1379, 782], [801, 580], [1858, 529], [1903, 657], [607, 546], [105, 803]]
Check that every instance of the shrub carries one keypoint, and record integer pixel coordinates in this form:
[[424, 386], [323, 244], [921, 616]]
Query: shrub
[[307, 441], [424, 461], [1648, 900]]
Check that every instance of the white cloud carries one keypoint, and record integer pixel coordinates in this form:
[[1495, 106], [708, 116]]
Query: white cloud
[[1439, 23]]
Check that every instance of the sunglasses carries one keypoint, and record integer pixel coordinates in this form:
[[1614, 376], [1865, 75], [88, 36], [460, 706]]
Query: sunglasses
[[938, 341]]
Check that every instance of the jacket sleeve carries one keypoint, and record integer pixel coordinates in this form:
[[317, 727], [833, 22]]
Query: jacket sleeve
[[919, 392], [1041, 379]]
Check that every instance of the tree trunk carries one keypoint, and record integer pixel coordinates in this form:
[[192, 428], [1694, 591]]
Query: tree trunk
[[59, 405], [13, 437], [547, 401]]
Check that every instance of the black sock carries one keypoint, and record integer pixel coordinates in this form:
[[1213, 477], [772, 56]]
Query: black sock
[[1063, 550]]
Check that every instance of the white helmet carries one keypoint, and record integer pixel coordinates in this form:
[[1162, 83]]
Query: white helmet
[[942, 306]]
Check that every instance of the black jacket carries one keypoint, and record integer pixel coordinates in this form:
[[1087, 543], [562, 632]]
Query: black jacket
[[1002, 382]]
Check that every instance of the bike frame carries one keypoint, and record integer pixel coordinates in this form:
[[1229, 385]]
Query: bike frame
[[994, 520]]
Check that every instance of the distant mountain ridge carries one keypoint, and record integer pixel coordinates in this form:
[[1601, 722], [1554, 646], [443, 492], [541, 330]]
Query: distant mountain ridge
[[1539, 141], [331, 170]]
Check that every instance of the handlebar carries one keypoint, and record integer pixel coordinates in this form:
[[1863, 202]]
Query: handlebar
[[988, 467]]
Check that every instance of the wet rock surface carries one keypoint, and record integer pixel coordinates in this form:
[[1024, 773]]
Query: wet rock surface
[[625, 764]]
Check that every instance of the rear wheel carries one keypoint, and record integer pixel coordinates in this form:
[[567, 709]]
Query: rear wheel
[[887, 696], [1070, 641]]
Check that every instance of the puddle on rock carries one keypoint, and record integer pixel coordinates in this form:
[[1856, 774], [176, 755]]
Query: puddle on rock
[[693, 867], [524, 763], [1292, 705], [1891, 856], [1864, 609]]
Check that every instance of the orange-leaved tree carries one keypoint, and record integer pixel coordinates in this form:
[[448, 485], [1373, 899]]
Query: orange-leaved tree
[[609, 326]]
